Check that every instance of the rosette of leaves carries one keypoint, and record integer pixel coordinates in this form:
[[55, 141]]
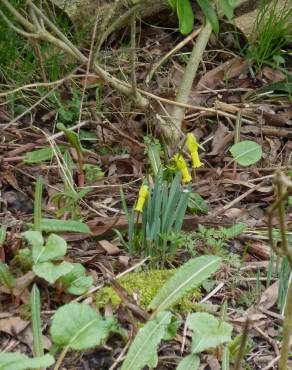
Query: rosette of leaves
[[46, 255]]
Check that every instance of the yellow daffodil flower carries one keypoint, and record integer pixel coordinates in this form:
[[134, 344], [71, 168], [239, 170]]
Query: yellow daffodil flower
[[182, 166], [142, 196], [193, 147]]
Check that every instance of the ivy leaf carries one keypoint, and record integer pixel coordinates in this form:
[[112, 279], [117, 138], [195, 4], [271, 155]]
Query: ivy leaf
[[210, 14], [50, 272], [246, 152], [143, 350], [19, 361], [190, 275], [79, 327], [190, 362], [185, 16], [54, 248], [208, 331]]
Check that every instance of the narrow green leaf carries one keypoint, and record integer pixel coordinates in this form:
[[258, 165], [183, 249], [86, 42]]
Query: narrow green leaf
[[143, 350], [72, 137], [172, 3], [35, 307], [246, 152], [210, 14], [190, 362], [187, 277], [18, 361], [38, 204], [3, 230], [58, 226], [41, 155], [6, 278], [185, 16], [154, 158], [79, 327], [227, 8]]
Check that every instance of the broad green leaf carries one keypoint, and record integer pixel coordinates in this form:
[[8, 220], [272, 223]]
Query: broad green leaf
[[246, 152], [208, 332], [18, 361], [190, 362], [41, 155], [6, 278], [54, 248], [143, 350], [79, 327], [80, 285], [50, 272], [34, 238], [210, 14], [196, 204], [191, 274], [58, 226], [185, 16], [76, 282], [227, 8], [72, 137]]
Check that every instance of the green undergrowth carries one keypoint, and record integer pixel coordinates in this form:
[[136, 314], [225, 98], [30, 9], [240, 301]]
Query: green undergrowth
[[145, 285]]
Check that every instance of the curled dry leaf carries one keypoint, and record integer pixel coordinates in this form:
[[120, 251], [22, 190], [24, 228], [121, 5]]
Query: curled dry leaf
[[269, 296]]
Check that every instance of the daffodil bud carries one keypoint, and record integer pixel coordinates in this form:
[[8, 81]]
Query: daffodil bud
[[182, 166], [193, 147], [142, 196]]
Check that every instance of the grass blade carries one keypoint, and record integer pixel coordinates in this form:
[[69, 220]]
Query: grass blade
[[35, 303]]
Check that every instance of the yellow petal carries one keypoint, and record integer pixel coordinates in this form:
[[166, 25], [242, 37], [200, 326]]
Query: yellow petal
[[179, 161], [196, 160], [192, 143], [143, 194], [182, 166], [186, 177]]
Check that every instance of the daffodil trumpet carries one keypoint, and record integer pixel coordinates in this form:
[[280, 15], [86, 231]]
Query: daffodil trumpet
[[193, 148], [142, 196], [182, 166]]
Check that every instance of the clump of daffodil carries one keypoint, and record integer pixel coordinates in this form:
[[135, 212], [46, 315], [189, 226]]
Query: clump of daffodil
[[182, 166], [142, 196], [193, 147]]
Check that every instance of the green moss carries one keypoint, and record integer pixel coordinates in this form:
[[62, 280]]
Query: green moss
[[145, 285]]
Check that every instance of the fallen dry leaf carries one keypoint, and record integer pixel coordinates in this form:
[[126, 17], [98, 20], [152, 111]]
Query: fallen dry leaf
[[270, 296], [109, 247]]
